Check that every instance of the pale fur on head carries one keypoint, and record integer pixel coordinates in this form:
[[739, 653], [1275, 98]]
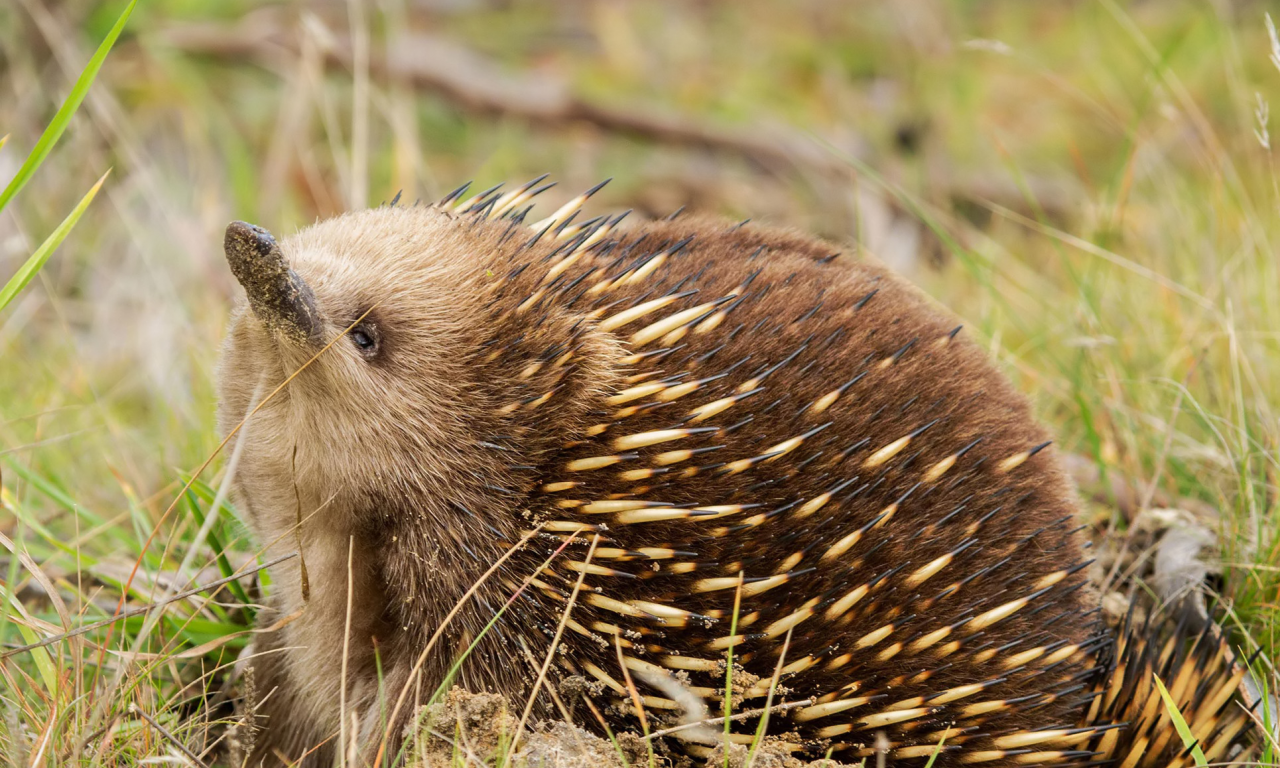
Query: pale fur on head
[[414, 276]]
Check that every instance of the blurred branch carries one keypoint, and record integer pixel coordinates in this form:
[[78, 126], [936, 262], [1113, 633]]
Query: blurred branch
[[476, 83]]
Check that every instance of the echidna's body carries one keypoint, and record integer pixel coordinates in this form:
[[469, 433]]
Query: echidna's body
[[723, 412]]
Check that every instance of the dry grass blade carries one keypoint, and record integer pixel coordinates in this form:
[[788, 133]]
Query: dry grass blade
[[1085, 246], [636, 701], [343, 747], [435, 637], [46, 736], [353, 746], [144, 609], [484, 631], [728, 664], [551, 652], [551, 691], [732, 718], [42, 579], [304, 580], [632, 691], [134, 709], [359, 193]]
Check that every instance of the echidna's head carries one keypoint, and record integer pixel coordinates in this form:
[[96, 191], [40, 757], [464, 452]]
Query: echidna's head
[[373, 311]]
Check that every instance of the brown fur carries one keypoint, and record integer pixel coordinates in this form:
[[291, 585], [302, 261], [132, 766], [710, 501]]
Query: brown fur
[[428, 461]]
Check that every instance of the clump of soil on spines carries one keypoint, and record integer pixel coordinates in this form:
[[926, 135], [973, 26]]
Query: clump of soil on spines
[[476, 730]]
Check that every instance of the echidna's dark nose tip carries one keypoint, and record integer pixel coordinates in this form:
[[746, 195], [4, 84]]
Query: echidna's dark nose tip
[[251, 234]]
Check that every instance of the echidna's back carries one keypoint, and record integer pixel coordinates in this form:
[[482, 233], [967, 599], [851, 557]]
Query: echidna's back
[[814, 427]]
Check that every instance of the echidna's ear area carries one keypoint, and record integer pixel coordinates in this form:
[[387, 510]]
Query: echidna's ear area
[[808, 436], [553, 368]]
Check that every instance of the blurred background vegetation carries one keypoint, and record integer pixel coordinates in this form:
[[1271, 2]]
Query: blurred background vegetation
[[1090, 184]]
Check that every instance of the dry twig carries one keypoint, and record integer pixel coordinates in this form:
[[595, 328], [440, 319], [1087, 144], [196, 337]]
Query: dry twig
[[475, 83], [732, 718], [478, 84], [134, 709], [144, 609]]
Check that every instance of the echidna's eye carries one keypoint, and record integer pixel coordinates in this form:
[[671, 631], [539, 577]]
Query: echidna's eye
[[365, 339]]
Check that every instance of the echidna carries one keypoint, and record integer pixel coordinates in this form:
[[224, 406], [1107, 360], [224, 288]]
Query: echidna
[[733, 437]]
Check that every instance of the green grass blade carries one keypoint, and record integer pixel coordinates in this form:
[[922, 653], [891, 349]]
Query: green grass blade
[[59, 124], [1180, 724], [48, 488], [28, 270], [936, 751], [44, 663], [220, 554]]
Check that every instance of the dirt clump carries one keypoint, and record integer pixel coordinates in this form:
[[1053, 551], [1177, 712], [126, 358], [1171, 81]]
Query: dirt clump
[[477, 729], [772, 753]]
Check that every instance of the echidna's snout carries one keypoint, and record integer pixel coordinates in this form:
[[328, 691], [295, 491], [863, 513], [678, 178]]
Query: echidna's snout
[[278, 296]]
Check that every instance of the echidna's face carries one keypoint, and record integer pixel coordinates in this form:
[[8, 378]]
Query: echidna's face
[[374, 309]]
